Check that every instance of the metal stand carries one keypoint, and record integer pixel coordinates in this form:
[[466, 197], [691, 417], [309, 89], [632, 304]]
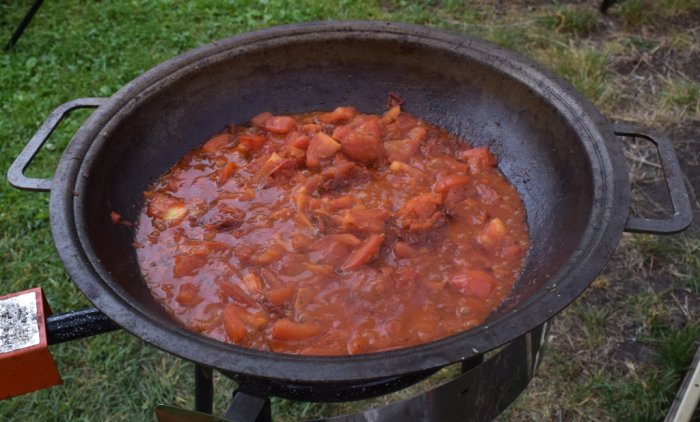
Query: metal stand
[[22, 25], [247, 408], [482, 392], [203, 389], [78, 324]]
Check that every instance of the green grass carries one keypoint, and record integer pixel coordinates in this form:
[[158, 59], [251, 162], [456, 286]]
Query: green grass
[[637, 13], [678, 256], [682, 96], [78, 49], [644, 396], [579, 20], [585, 66], [634, 399]]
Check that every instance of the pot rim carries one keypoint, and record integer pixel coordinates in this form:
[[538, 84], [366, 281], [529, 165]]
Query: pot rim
[[604, 229]]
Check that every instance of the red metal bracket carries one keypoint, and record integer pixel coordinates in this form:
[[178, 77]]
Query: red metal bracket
[[26, 364]]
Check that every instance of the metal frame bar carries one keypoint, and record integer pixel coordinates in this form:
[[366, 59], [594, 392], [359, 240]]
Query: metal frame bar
[[77, 324], [23, 24], [203, 388]]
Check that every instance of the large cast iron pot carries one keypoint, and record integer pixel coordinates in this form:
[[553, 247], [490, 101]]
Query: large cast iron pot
[[563, 157]]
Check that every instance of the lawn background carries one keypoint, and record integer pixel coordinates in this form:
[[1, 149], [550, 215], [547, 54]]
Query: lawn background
[[618, 353]]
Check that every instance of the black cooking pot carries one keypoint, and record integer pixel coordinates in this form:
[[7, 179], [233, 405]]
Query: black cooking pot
[[562, 156]]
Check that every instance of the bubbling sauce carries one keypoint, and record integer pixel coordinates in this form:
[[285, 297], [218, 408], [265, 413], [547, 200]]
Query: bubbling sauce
[[332, 233]]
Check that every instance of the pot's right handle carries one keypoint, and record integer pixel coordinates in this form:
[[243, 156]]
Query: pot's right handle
[[682, 212], [15, 175]]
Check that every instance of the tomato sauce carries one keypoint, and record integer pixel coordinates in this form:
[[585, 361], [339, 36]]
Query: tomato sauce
[[332, 233]]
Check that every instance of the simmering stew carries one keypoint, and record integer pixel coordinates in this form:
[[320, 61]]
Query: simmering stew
[[332, 233]]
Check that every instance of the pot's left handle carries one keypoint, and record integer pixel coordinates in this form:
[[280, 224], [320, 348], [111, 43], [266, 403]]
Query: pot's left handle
[[15, 175]]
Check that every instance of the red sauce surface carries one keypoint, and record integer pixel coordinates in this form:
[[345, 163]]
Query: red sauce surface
[[332, 233]]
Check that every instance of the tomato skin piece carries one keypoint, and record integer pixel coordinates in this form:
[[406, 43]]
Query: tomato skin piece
[[345, 238], [261, 118], [404, 149], [271, 254], [479, 159], [420, 212], [252, 283], [188, 295], [271, 279], [481, 283], [320, 147], [217, 142], [365, 220], [284, 329], [477, 283], [342, 202], [451, 181], [226, 172], [279, 124], [300, 142], [363, 143], [187, 264], [390, 115], [405, 122], [236, 293], [280, 295], [339, 114], [512, 251], [320, 269], [329, 251], [250, 143], [274, 164], [165, 207], [404, 250], [257, 320], [339, 171], [115, 217], [233, 323], [365, 253]]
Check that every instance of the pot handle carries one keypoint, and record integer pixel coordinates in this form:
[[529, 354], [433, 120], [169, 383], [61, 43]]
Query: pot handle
[[682, 212], [15, 174]]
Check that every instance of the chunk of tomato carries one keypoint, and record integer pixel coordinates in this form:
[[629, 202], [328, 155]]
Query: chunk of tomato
[[284, 329], [279, 124], [188, 295], [477, 283], [233, 323], [479, 159], [217, 142], [320, 147]]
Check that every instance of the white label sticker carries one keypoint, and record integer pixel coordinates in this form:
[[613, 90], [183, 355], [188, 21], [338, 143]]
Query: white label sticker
[[19, 327]]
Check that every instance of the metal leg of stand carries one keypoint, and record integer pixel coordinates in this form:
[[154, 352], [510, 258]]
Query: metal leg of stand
[[248, 408], [471, 363], [203, 389], [481, 393], [22, 25]]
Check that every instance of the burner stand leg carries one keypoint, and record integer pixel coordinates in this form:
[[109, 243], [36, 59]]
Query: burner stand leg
[[22, 25], [247, 408], [203, 389], [471, 363]]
